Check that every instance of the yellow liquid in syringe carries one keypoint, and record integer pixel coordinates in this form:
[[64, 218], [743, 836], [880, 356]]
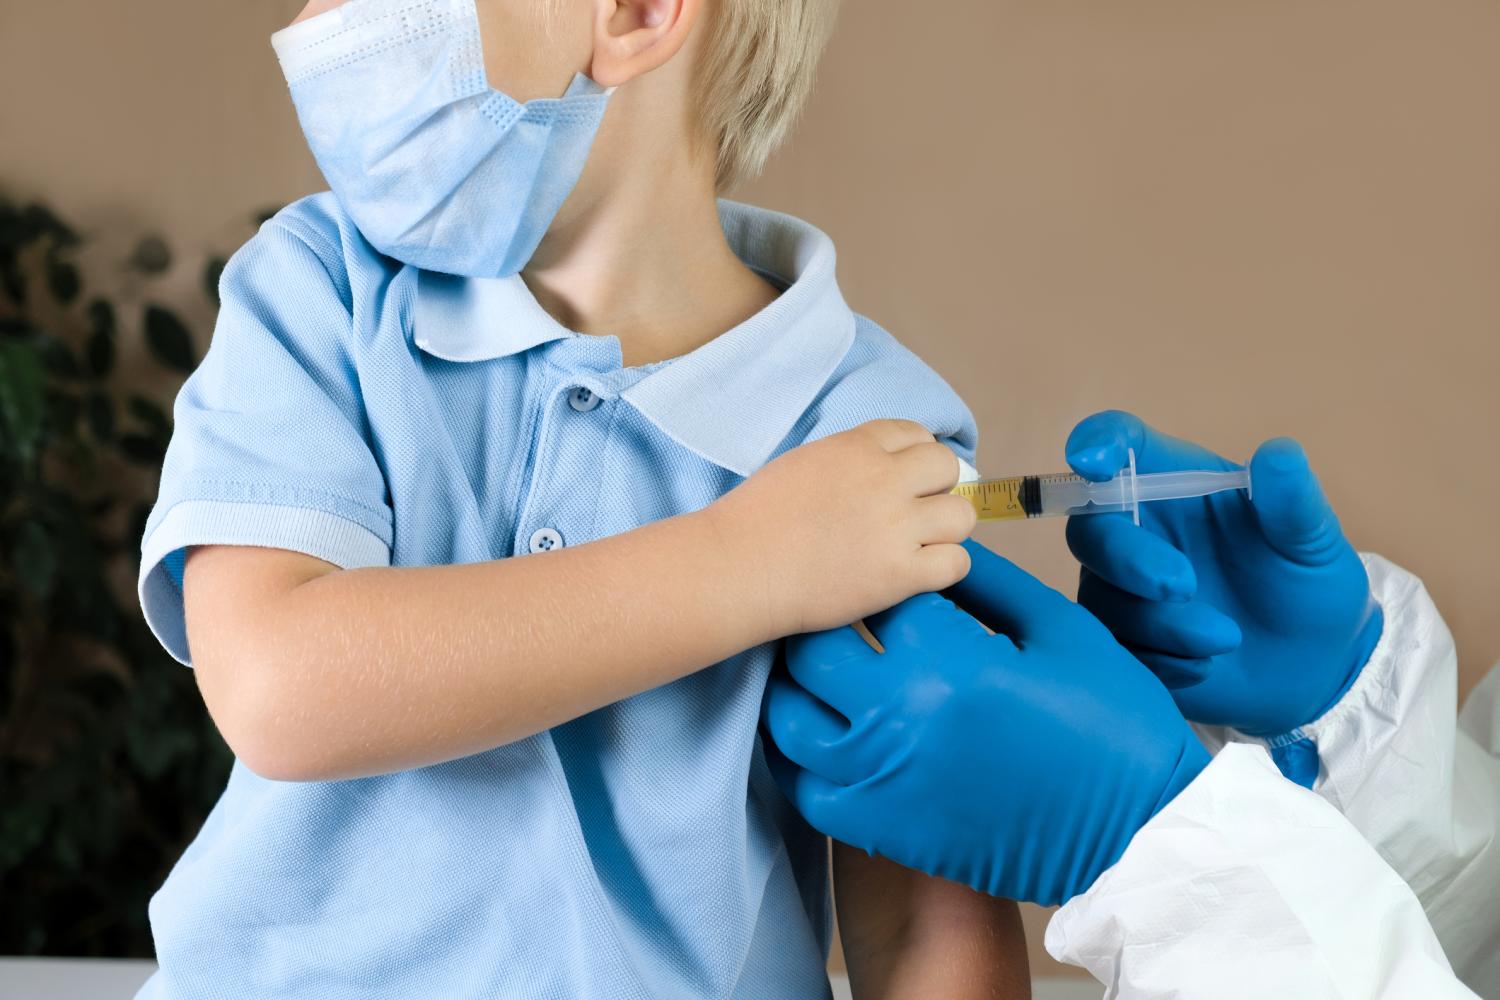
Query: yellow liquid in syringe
[[998, 499]]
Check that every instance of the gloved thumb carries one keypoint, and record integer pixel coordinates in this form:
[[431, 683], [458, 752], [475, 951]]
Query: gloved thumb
[[1294, 515]]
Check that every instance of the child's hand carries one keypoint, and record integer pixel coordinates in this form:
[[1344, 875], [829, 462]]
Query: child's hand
[[848, 526]]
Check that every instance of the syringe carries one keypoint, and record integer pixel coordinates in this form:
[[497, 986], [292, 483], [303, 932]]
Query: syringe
[[1016, 498]]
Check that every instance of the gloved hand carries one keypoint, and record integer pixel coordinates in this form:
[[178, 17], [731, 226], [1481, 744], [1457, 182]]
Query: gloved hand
[[1257, 613], [1020, 763]]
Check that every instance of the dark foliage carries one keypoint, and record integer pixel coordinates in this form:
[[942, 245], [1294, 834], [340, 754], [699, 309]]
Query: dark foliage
[[108, 762]]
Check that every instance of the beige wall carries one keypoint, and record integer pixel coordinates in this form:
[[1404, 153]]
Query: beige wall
[[1240, 219]]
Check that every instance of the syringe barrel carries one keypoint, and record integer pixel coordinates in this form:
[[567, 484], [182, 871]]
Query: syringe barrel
[[1062, 494], [1066, 494], [1190, 483]]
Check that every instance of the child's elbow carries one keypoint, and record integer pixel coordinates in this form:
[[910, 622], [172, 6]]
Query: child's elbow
[[249, 706], [276, 760], [276, 763]]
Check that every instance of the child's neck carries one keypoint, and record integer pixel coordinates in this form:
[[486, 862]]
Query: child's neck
[[648, 263]]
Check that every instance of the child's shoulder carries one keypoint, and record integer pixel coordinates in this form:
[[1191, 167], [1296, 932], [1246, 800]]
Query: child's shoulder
[[880, 378], [311, 241], [876, 351], [305, 286]]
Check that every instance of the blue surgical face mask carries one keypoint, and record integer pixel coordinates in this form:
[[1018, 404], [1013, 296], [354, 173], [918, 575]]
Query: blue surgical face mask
[[437, 169]]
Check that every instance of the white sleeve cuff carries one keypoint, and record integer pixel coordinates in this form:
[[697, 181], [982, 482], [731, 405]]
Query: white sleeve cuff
[[1405, 672], [1387, 747], [1247, 886], [1426, 795], [317, 533]]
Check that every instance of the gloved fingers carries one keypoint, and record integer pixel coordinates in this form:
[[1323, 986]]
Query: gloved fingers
[[836, 666], [1132, 558], [1175, 672], [809, 733], [1191, 629], [1007, 599], [821, 802], [927, 621], [1289, 503], [1097, 448]]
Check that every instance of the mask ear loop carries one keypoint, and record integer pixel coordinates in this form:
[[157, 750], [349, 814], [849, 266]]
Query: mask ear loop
[[1135, 490]]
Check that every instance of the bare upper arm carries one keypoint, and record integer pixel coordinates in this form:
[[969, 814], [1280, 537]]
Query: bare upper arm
[[907, 934], [230, 604]]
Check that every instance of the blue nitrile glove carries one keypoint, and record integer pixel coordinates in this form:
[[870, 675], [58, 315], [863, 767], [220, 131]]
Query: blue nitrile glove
[[1256, 613], [1020, 764]]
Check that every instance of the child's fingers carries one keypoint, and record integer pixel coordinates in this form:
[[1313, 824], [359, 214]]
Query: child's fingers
[[928, 468], [939, 567], [896, 435], [944, 518]]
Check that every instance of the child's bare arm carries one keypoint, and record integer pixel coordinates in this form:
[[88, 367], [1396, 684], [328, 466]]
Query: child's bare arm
[[908, 935], [313, 673]]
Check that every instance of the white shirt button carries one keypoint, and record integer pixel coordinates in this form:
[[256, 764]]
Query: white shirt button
[[545, 540], [583, 400]]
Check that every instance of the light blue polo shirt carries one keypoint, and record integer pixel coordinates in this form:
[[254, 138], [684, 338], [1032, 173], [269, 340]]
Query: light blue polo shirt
[[371, 414]]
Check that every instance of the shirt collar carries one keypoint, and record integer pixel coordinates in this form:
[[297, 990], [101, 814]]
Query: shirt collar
[[731, 401], [477, 319]]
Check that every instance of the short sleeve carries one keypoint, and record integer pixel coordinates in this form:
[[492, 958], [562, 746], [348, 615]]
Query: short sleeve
[[270, 445], [880, 379]]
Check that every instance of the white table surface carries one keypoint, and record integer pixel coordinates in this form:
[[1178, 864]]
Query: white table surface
[[108, 979]]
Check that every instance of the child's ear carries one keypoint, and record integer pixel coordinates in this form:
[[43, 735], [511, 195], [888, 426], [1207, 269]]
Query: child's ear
[[633, 37]]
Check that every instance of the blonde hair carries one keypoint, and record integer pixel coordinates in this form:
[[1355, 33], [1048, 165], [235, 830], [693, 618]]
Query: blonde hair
[[754, 74]]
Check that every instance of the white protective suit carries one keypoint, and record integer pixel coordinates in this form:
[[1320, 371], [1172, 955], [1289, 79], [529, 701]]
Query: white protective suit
[[1247, 886]]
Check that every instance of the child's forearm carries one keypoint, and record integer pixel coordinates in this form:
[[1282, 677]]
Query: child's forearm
[[315, 674], [908, 935]]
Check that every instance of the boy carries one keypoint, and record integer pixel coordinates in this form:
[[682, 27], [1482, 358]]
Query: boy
[[463, 774]]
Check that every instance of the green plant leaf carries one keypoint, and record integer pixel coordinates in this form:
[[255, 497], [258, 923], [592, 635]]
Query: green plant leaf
[[63, 279], [34, 559], [102, 690], [39, 221], [142, 450], [120, 763], [22, 397], [59, 357], [102, 317], [10, 224], [154, 748], [151, 256], [12, 281], [65, 851], [137, 529], [100, 347], [169, 339], [100, 351], [212, 272], [101, 416], [23, 825], [7, 654], [61, 417], [152, 416]]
